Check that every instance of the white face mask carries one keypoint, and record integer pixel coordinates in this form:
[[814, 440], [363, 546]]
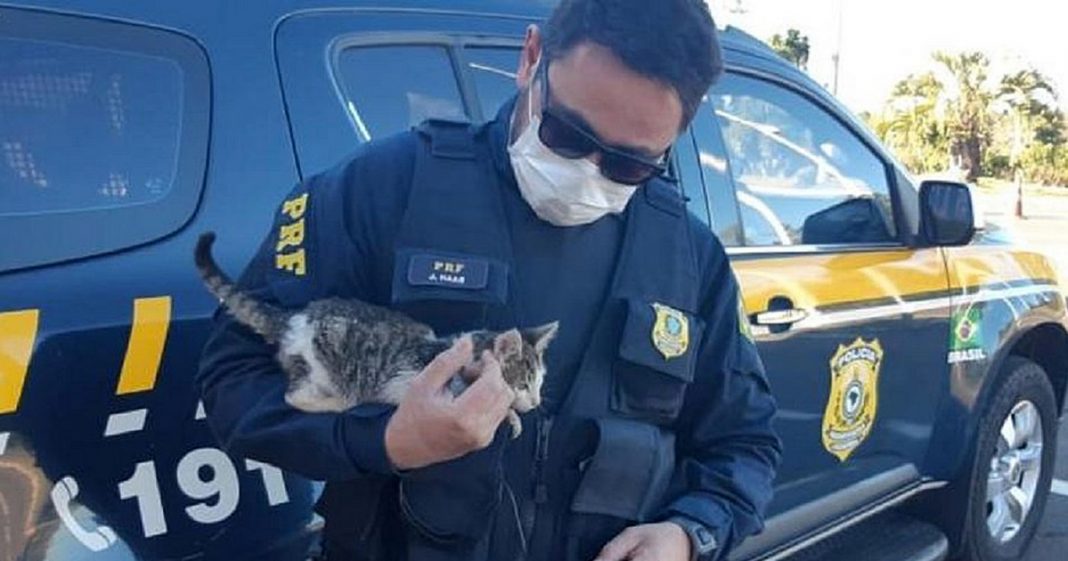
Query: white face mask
[[562, 192]]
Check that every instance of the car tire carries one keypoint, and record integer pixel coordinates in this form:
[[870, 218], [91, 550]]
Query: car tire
[[1017, 434]]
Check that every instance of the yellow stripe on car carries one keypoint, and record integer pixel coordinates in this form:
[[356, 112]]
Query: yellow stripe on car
[[975, 266], [814, 281], [854, 287], [18, 331], [148, 334]]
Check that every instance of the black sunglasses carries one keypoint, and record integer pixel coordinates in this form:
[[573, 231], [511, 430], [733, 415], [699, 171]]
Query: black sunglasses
[[570, 140]]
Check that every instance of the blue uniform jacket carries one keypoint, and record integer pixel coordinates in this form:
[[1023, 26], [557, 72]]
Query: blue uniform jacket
[[335, 235]]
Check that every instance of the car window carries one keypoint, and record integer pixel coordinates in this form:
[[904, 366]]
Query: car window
[[493, 71], [388, 89], [104, 128], [85, 128], [801, 177]]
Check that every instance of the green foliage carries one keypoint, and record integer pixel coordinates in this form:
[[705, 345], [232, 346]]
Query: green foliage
[[1046, 164], [794, 47], [997, 165], [958, 117], [968, 119], [1050, 126], [912, 124]]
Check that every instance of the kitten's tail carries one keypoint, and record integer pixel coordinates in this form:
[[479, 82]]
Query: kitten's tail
[[265, 319]]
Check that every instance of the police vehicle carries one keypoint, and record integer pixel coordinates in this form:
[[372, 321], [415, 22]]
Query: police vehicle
[[920, 365]]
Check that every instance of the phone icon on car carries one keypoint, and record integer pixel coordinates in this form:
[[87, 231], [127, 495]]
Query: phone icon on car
[[97, 539]]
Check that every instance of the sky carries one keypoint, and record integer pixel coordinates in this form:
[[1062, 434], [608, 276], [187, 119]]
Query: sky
[[884, 41]]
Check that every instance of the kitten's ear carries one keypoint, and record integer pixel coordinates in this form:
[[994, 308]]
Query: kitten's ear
[[508, 344], [540, 337]]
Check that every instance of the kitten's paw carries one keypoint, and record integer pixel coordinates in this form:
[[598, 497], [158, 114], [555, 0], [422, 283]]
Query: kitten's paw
[[517, 425]]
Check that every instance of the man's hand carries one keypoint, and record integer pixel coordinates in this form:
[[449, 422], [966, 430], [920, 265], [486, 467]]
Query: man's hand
[[665, 541], [431, 426]]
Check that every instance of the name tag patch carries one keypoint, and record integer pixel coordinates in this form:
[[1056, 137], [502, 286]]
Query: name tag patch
[[449, 272]]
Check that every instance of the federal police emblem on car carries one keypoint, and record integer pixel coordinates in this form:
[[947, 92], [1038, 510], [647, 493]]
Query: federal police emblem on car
[[671, 332], [854, 397]]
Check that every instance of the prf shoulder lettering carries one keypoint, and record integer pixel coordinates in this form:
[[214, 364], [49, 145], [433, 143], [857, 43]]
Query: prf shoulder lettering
[[289, 251]]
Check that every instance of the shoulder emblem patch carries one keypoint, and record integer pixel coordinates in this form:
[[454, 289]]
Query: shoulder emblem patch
[[671, 332], [854, 396]]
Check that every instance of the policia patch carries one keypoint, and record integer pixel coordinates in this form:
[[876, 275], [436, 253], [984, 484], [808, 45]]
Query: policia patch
[[851, 407], [671, 332]]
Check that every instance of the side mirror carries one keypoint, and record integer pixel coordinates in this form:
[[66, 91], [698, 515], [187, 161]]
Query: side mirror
[[947, 217]]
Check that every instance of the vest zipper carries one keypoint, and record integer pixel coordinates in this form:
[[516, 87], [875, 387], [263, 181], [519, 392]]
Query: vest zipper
[[541, 488]]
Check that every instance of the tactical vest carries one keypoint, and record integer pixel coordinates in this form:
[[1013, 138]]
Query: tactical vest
[[606, 459]]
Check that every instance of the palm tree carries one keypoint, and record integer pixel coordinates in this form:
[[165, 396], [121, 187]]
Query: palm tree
[[953, 114], [969, 121], [913, 122], [1026, 96], [794, 47], [1021, 97]]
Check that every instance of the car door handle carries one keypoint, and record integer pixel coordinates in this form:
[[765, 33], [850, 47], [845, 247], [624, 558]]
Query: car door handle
[[779, 318]]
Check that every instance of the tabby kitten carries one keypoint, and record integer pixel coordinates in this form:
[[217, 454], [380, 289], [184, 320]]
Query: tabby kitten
[[339, 353]]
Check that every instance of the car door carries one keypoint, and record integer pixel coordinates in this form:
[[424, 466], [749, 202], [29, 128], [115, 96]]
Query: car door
[[851, 324], [118, 145]]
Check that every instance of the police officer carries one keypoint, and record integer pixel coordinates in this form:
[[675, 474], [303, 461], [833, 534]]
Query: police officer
[[654, 440]]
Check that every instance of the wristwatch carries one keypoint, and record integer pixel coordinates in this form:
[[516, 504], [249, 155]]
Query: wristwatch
[[703, 544]]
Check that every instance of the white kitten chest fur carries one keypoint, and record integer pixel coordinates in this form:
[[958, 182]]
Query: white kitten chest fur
[[316, 391]]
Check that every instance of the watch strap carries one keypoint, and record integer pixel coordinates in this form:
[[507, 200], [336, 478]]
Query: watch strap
[[703, 543]]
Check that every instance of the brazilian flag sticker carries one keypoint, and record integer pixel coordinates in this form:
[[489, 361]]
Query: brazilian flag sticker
[[965, 336]]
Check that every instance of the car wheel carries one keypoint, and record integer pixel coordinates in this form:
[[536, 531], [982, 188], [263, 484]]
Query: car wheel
[[1010, 480]]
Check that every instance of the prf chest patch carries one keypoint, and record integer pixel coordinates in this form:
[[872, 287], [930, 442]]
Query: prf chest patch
[[671, 331], [448, 272], [854, 397]]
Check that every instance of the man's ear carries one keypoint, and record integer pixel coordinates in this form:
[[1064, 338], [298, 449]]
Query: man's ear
[[528, 59], [508, 344]]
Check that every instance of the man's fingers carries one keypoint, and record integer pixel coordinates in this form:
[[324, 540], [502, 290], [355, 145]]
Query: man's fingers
[[471, 371], [481, 408], [445, 366], [620, 548], [490, 395], [643, 554]]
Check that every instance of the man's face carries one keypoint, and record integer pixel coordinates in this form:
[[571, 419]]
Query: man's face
[[592, 86]]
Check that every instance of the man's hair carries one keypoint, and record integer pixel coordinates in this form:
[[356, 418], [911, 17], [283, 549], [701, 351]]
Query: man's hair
[[670, 41]]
